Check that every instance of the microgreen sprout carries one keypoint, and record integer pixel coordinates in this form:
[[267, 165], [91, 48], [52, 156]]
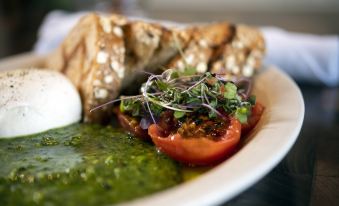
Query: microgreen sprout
[[187, 93]]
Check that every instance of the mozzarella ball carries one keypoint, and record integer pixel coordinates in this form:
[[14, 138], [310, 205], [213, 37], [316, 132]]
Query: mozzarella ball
[[33, 101]]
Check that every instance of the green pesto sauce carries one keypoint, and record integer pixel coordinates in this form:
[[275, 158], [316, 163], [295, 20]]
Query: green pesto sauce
[[81, 164]]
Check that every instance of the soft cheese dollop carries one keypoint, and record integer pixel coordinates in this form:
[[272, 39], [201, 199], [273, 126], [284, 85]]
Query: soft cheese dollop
[[33, 101]]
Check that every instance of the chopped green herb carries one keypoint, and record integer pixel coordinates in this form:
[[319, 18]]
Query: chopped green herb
[[242, 113], [48, 141], [178, 114], [189, 71], [252, 99], [231, 91]]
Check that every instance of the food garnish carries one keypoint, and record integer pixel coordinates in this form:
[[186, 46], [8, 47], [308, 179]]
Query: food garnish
[[194, 118], [186, 93]]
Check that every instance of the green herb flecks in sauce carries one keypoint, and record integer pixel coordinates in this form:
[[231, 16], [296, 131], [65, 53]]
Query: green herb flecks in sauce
[[81, 165]]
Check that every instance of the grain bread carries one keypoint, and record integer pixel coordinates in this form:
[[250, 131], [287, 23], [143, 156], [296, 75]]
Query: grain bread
[[202, 45], [104, 55], [148, 47], [93, 57], [241, 55]]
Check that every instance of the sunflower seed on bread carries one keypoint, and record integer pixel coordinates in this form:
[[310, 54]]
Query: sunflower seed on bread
[[241, 56]]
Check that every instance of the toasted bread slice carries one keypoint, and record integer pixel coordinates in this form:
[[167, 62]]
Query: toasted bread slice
[[141, 41], [93, 56], [149, 47], [242, 56], [199, 51], [104, 55], [172, 40]]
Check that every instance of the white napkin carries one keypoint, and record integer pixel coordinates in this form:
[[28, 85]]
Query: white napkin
[[54, 29], [305, 57]]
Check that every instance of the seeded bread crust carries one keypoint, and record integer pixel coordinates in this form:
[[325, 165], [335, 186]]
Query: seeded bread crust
[[93, 57], [242, 55], [204, 41], [104, 55]]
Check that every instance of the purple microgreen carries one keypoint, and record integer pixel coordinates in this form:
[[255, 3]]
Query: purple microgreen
[[213, 110], [145, 123], [194, 85], [145, 97]]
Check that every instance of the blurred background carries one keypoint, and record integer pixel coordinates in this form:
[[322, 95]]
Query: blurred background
[[20, 19]]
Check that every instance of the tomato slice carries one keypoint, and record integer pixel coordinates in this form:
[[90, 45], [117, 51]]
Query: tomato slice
[[197, 150], [131, 124], [256, 113]]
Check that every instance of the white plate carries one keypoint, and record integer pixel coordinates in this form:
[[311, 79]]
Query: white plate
[[270, 141]]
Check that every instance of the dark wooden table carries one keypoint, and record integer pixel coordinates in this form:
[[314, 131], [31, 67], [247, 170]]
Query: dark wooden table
[[309, 174]]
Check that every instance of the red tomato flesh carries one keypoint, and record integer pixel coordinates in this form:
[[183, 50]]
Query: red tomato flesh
[[131, 124], [197, 150], [252, 121]]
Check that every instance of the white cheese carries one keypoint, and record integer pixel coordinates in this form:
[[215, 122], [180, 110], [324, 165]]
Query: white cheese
[[33, 101]]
